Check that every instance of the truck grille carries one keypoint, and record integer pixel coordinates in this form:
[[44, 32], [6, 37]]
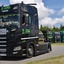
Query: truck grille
[[3, 39], [3, 43]]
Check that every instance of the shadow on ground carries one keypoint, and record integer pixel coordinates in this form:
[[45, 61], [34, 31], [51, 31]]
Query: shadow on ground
[[12, 58], [18, 58]]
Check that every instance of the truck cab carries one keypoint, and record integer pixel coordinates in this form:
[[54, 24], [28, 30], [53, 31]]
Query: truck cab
[[19, 30]]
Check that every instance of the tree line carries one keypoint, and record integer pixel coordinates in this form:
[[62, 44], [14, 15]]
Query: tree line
[[61, 28]]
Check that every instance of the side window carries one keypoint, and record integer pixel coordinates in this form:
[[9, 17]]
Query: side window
[[23, 20], [26, 20], [35, 20]]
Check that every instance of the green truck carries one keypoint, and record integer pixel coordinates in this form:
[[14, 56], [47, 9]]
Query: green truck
[[50, 36]]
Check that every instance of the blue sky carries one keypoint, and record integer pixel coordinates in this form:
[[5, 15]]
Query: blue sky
[[5, 2], [54, 4], [46, 10], [57, 5]]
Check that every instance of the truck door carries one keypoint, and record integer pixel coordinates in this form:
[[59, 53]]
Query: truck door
[[25, 21]]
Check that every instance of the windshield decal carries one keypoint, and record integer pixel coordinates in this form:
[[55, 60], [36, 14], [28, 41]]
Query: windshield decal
[[9, 20], [25, 31], [5, 8]]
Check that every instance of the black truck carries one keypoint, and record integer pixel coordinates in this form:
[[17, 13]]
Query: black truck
[[19, 31]]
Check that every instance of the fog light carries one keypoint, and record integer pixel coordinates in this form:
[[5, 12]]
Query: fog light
[[17, 48], [15, 52]]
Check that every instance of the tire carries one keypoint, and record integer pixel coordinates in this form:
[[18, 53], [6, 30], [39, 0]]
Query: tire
[[30, 51]]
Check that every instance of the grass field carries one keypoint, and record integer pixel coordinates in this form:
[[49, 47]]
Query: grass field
[[57, 44], [53, 60]]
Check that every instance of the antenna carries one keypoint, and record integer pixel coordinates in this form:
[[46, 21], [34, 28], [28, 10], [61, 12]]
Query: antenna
[[22, 2]]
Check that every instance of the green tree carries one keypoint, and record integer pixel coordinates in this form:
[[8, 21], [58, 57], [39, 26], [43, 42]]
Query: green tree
[[61, 28]]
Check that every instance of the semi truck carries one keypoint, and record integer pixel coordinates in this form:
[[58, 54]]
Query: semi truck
[[56, 37], [62, 36], [50, 36], [19, 31]]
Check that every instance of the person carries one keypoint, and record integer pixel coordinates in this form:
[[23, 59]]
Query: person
[[23, 20]]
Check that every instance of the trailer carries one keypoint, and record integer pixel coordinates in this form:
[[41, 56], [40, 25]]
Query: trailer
[[50, 36], [56, 37], [62, 36], [19, 31]]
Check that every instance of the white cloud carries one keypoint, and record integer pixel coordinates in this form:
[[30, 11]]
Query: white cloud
[[19, 1], [43, 12], [48, 21], [62, 11], [61, 20]]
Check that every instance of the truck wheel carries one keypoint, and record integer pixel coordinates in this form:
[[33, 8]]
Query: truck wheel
[[30, 51]]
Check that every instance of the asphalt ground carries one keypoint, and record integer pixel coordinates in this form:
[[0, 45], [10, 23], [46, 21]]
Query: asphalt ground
[[56, 51]]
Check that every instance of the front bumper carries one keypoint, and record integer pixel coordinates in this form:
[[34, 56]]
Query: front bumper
[[9, 52]]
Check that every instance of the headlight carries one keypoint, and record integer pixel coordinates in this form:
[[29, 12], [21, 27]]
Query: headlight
[[17, 48]]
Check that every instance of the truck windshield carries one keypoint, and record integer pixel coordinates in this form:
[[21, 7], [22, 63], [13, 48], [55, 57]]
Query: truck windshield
[[11, 20]]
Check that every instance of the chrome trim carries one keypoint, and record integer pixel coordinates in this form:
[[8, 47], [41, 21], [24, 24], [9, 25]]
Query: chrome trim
[[2, 41], [3, 54], [2, 37], [2, 33], [3, 45], [2, 50], [29, 38]]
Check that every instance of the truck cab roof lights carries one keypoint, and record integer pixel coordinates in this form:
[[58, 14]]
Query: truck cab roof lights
[[29, 4], [32, 4]]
